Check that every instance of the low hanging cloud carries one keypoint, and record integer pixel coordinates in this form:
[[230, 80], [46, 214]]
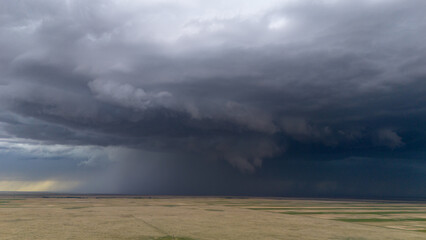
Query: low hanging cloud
[[389, 138], [242, 81], [126, 95]]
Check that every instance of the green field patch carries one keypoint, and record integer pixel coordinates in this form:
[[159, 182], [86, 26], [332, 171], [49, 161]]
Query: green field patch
[[214, 210], [69, 208], [337, 208], [352, 238], [352, 213], [244, 205], [140, 238], [10, 206], [173, 238], [18, 220], [381, 219]]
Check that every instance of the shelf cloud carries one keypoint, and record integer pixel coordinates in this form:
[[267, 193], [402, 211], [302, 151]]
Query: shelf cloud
[[236, 84]]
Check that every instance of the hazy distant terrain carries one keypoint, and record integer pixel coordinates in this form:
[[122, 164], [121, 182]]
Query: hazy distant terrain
[[130, 217]]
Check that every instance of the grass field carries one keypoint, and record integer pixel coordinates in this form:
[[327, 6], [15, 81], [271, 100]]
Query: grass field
[[119, 217]]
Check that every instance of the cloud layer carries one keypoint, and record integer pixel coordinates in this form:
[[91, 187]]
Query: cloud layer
[[239, 81]]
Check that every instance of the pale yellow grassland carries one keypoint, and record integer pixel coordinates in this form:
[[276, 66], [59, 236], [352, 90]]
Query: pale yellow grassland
[[89, 217]]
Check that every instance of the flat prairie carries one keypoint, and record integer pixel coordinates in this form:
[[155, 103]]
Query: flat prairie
[[53, 216]]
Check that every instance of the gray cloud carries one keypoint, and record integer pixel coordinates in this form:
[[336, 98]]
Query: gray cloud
[[126, 95], [389, 138], [242, 86]]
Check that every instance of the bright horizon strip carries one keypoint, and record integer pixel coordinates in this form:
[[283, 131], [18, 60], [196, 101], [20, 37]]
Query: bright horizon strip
[[36, 186]]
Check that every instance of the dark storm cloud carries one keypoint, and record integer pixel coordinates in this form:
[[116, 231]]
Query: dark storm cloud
[[173, 78]]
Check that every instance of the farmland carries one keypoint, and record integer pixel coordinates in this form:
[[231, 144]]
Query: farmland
[[53, 216]]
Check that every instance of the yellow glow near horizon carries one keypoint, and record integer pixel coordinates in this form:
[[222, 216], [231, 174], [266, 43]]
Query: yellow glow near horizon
[[36, 186]]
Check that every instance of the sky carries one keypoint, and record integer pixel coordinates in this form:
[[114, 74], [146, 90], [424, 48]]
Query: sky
[[308, 98]]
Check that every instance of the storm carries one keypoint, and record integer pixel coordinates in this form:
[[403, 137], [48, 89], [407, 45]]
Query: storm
[[311, 98]]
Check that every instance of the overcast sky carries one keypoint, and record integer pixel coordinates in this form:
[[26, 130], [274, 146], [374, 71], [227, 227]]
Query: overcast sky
[[278, 98]]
